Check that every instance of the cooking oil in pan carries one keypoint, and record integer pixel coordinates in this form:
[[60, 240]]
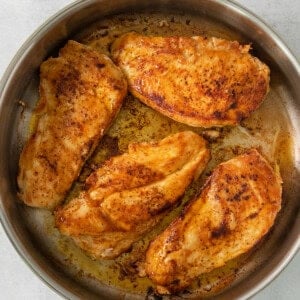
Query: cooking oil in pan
[[266, 129]]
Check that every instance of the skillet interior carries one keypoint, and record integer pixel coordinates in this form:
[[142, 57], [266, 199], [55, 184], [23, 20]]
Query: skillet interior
[[273, 127]]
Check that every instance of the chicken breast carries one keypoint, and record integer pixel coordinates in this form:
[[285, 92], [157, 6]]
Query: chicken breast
[[198, 81], [81, 91], [235, 209], [131, 193]]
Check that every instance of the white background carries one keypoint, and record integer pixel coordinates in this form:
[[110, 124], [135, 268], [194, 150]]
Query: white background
[[18, 19]]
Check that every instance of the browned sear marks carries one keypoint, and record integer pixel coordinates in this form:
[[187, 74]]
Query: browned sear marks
[[236, 208], [198, 81], [78, 101], [131, 193]]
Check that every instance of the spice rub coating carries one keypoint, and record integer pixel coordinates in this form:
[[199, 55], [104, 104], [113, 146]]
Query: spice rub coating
[[199, 81], [81, 91], [131, 193], [236, 208]]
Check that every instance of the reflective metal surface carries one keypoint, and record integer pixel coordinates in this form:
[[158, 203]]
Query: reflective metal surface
[[52, 35]]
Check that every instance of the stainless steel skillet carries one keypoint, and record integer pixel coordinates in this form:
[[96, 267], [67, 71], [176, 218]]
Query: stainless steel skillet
[[25, 67]]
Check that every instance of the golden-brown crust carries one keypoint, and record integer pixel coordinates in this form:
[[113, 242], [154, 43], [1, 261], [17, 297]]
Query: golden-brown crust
[[130, 193], [80, 93], [236, 208], [194, 80]]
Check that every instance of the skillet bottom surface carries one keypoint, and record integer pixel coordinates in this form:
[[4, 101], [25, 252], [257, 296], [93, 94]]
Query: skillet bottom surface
[[267, 129]]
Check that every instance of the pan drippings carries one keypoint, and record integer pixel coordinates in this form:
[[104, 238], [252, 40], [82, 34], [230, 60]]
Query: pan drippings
[[267, 129]]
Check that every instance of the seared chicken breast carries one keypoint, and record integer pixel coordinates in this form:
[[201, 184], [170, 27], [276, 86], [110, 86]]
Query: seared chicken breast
[[235, 209], [198, 81], [80, 93], [130, 193]]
